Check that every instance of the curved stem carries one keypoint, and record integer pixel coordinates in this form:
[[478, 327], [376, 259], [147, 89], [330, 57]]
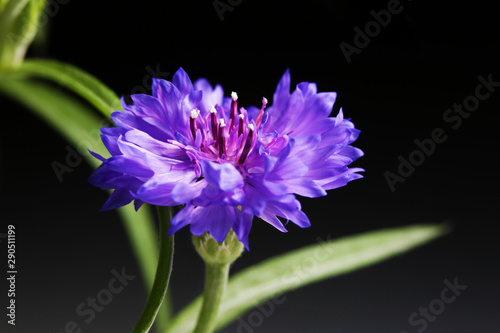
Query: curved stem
[[163, 272], [216, 277]]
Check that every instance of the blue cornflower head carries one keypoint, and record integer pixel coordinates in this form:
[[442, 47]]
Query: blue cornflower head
[[189, 145]]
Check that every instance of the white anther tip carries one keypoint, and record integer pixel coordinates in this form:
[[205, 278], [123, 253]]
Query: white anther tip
[[212, 109], [222, 123], [251, 127], [264, 100], [234, 96], [241, 116], [194, 113]]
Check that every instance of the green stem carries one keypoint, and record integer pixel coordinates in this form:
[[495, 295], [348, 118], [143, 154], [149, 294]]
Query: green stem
[[11, 13], [216, 277], [141, 232], [163, 272]]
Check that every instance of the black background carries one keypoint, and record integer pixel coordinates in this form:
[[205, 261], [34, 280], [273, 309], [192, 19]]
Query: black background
[[395, 90]]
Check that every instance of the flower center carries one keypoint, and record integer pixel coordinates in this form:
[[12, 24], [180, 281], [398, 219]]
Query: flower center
[[225, 140]]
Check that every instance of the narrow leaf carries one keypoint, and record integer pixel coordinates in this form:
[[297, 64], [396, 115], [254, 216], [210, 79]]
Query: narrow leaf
[[79, 81], [320, 261]]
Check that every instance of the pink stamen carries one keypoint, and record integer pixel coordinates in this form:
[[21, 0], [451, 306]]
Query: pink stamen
[[213, 122], [248, 145], [240, 124], [258, 121], [221, 143], [234, 110], [192, 122]]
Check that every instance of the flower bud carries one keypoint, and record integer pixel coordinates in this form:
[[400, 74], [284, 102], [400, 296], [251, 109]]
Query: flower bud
[[214, 252]]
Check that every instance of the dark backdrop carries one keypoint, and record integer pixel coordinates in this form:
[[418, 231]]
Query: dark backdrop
[[396, 88]]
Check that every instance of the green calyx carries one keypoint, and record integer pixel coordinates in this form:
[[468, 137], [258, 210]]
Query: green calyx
[[214, 252]]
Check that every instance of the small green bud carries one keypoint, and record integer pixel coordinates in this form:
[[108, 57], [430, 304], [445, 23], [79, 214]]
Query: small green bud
[[19, 23], [214, 252]]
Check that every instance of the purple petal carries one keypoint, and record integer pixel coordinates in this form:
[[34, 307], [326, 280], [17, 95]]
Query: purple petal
[[211, 96], [120, 197], [137, 204], [287, 114], [128, 166], [156, 147], [147, 105], [109, 136], [342, 179], [224, 176], [217, 220], [242, 228], [184, 193], [220, 220], [96, 155], [191, 102], [272, 220], [352, 153], [156, 163], [182, 81], [289, 208], [282, 90], [129, 121], [181, 219], [101, 176], [304, 187], [156, 194], [308, 89]]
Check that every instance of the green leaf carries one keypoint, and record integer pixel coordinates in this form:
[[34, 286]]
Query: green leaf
[[320, 261], [76, 122], [75, 79]]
